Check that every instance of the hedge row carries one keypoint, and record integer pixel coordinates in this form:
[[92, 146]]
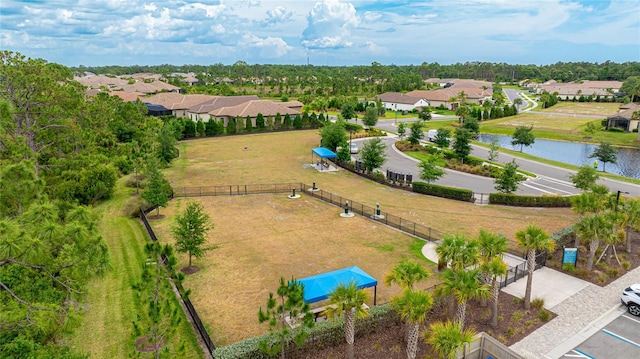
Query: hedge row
[[322, 335], [459, 194], [529, 201]]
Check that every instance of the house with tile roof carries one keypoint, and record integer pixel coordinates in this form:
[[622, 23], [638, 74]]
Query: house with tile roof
[[625, 118], [448, 97], [252, 109], [178, 103], [396, 101], [202, 110]]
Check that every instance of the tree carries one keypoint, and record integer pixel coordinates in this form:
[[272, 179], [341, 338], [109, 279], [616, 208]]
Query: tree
[[162, 316], [472, 125], [523, 136], [631, 86], [18, 188], [494, 269], [631, 211], [333, 135], [416, 132], [463, 285], [605, 153], [533, 239], [425, 113], [463, 112], [494, 149], [47, 257], [289, 303], [406, 273], [585, 178], [297, 122], [402, 129], [430, 171], [347, 111], [347, 300], [373, 154], [593, 229], [507, 181], [370, 117], [447, 338], [461, 143], [413, 307], [442, 137], [190, 230], [158, 190], [260, 123], [457, 249]]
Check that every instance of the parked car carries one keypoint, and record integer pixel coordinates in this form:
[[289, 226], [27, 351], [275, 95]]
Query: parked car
[[353, 148], [631, 298]]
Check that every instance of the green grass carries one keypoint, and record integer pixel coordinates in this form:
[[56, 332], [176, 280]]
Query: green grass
[[111, 307], [416, 249]]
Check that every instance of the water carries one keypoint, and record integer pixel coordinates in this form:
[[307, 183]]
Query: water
[[574, 153]]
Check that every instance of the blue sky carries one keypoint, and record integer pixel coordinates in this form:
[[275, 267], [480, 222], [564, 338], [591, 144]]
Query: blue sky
[[327, 32]]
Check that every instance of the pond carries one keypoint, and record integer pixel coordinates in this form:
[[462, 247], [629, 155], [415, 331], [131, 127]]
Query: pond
[[574, 153]]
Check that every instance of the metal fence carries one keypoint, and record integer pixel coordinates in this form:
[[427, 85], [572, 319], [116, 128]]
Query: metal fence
[[520, 271], [416, 229], [197, 322]]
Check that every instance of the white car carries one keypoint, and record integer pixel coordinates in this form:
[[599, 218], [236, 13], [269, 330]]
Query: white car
[[631, 298], [353, 148]]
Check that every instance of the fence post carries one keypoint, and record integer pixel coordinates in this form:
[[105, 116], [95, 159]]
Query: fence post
[[414, 228]]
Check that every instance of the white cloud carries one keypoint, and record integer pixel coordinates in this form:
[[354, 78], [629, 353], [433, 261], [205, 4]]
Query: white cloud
[[329, 25], [277, 15], [269, 47]]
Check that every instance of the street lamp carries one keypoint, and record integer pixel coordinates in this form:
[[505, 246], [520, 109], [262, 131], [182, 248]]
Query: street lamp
[[618, 199]]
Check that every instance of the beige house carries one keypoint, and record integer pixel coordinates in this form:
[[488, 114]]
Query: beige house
[[449, 97], [252, 109], [201, 111], [178, 103], [396, 101], [625, 119]]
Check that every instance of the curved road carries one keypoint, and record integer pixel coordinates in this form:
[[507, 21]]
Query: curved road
[[550, 179]]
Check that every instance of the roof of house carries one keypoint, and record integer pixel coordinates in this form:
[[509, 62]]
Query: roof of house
[[293, 103], [127, 96], [627, 112], [444, 95], [253, 108], [177, 101], [219, 102], [397, 97]]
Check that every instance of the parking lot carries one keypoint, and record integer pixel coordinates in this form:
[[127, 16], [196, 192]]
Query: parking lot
[[618, 339]]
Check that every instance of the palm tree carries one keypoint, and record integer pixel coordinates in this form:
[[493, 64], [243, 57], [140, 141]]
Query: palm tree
[[631, 211], [347, 300], [491, 245], [533, 239], [494, 269], [458, 250], [463, 285], [447, 338], [406, 273], [413, 307], [593, 229]]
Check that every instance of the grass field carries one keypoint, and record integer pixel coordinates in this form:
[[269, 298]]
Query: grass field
[[603, 109], [106, 330], [264, 237]]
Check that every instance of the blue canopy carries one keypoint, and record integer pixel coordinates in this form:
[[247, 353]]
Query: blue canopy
[[318, 287], [324, 152]]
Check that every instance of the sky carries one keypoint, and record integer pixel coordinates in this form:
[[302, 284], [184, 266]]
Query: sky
[[324, 32]]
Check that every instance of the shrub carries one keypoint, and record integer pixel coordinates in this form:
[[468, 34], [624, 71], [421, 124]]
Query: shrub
[[529, 201], [544, 315], [568, 267], [537, 303], [616, 129], [443, 191], [613, 272], [517, 316], [626, 265]]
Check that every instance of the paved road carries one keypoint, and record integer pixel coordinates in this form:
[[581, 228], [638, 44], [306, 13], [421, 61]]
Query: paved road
[[550, 179]]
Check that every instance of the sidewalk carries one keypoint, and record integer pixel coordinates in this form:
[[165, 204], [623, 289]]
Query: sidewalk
[[578, 314]]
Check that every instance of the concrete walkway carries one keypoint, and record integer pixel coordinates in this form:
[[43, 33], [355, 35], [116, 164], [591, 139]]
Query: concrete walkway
[[590, 307]]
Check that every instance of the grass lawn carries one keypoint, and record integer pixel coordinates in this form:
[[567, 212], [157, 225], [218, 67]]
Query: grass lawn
[[263, 237], [603, 109], [106, 330]]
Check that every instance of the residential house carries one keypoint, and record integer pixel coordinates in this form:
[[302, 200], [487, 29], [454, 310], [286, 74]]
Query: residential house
[[569, 90], [624, 119], [252, 109], [396, 101], [178, 103], [202, 110], [450, 97]]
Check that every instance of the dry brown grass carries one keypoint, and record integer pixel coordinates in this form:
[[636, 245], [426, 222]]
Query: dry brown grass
[[264, 237], [603, 109]]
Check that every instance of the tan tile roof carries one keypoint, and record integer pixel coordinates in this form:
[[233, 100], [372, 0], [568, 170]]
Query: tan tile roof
[[253, 108], [292, 104], [627, 113], [397, 97], [128, 96], [219, 102], [443, 95], [177, 101]]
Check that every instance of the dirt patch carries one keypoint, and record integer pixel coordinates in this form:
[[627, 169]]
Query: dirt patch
[[604, 272], [155, 217], [190, 270], [145, 346], [514, 323]]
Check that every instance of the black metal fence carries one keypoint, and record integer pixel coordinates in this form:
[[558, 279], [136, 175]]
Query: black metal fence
[[197, 322], [373, 213], [520, 271]]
